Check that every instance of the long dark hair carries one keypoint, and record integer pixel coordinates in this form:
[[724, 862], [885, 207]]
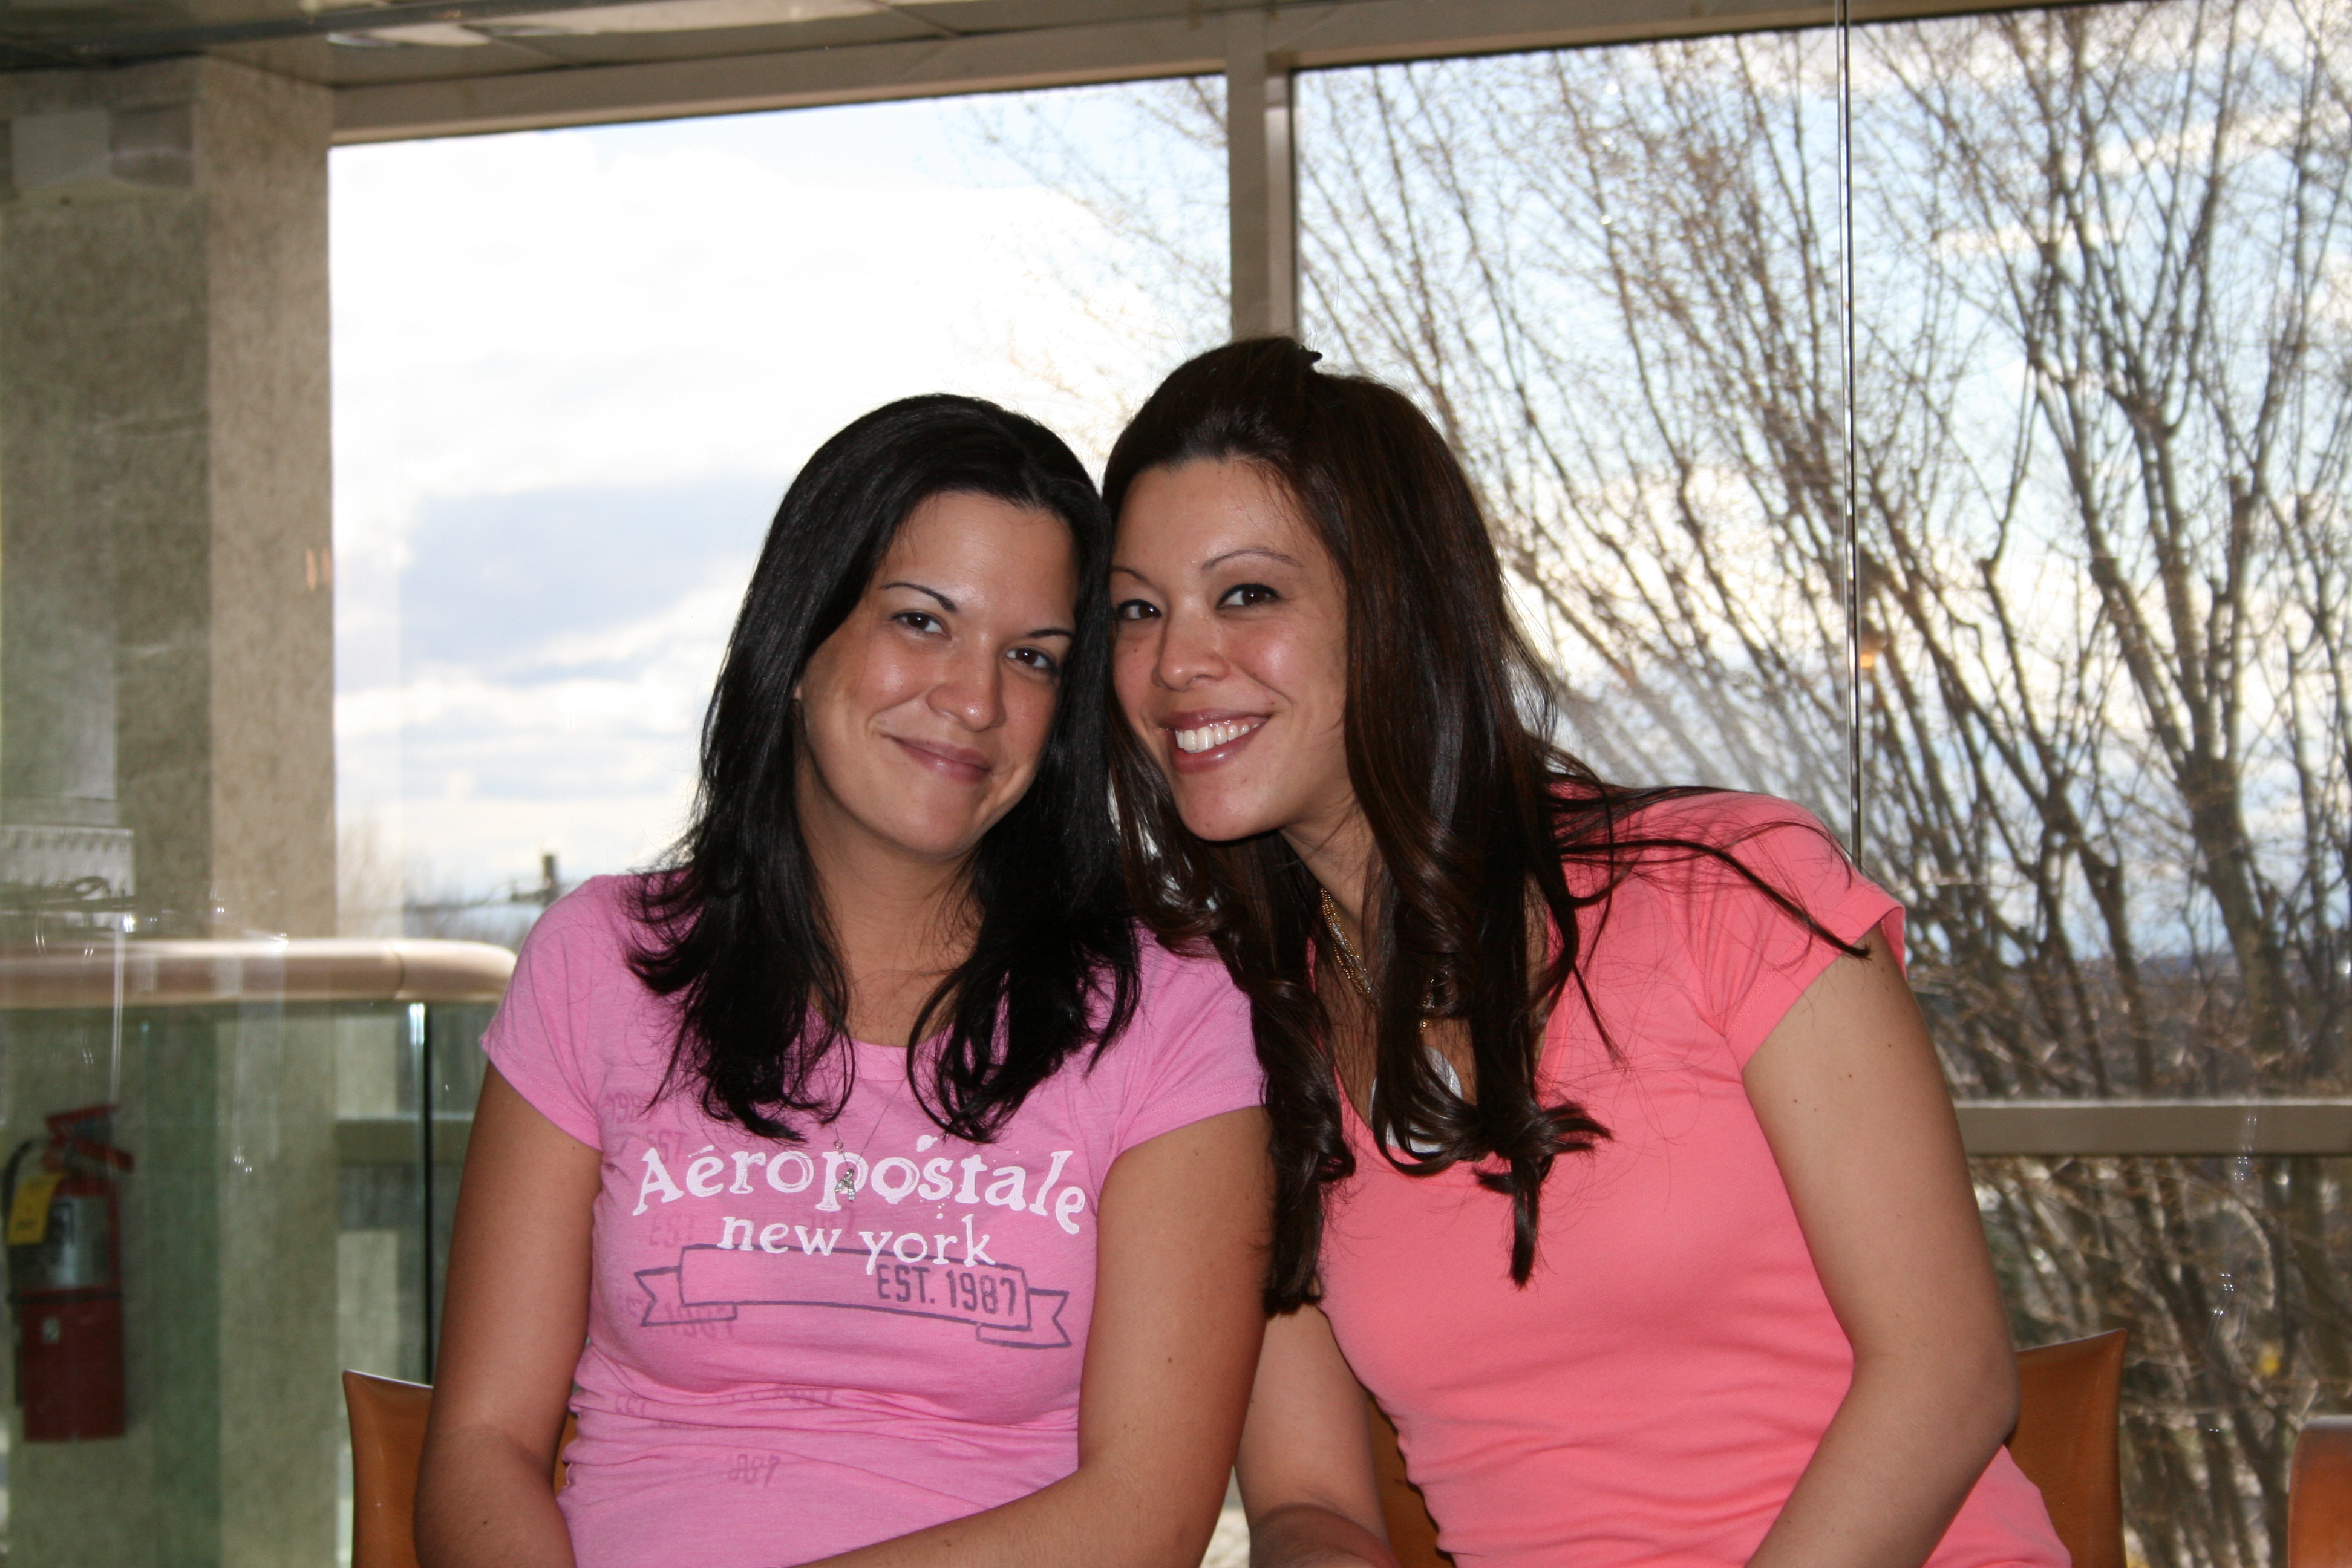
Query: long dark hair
[[1474, 811], [736, 931]]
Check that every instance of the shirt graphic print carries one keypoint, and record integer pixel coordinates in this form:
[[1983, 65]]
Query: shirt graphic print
[[906, 1273], [799, 1348]]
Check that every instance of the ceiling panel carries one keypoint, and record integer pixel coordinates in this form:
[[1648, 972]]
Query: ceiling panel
[[425, 40]]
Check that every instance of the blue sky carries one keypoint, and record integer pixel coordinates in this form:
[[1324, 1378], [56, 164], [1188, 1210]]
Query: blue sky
[[574, 372]]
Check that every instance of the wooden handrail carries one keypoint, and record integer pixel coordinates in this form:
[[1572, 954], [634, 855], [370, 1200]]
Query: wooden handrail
[[93, 974], [2184, 1128]]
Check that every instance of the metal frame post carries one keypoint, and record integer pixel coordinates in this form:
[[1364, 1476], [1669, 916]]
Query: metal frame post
[[1261, 177]]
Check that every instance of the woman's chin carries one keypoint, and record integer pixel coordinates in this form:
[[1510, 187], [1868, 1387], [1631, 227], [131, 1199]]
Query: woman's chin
[[1223, 821], [931, 841]]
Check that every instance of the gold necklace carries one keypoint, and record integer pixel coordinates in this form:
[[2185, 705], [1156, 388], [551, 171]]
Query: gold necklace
[[1351, 962], [1351, 965]]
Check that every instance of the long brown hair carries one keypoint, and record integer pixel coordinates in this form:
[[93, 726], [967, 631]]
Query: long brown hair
[[1474, 811]]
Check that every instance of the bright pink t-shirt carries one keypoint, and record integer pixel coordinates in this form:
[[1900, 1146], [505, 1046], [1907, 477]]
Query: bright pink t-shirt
[[797, 1351], [1652, 1395]]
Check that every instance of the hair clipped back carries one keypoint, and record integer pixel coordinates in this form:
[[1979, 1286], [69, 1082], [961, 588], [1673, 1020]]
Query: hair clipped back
[[736, 930], [1474, 812]]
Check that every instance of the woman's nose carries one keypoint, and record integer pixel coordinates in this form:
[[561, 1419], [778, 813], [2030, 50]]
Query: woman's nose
[[1189, 652], [971, 693]]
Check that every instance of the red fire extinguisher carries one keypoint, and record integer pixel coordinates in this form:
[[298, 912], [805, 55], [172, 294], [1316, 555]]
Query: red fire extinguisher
[[65, 1278]]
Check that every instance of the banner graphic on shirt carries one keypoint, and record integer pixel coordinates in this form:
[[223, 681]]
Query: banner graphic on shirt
[[712, 1284]]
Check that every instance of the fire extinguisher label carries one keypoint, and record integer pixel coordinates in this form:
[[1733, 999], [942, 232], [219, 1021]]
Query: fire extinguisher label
[[28, 1216]]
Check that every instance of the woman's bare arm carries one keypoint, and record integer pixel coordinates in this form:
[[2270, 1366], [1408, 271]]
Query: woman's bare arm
[[511, 1327], [1306, 1472], [1854, 1105], [1179, 1266]]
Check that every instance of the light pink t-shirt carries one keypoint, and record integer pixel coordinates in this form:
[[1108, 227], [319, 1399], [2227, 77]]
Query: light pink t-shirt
[[1652, 1395], [797, 1351]]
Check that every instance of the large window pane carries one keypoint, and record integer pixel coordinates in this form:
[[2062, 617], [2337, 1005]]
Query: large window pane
[[2105, 416]]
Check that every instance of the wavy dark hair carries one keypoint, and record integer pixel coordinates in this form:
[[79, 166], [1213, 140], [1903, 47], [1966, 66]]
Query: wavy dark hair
[[1476, 812], [735, 928]]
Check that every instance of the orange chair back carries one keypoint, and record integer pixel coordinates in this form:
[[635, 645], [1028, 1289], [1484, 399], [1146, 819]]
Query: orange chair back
[[2064, 1442], [387, 1441], [2319, 1496]]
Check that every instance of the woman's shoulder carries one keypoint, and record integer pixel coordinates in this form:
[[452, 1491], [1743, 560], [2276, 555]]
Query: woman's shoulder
[[611, 903], [1735, 901], [1709, 860], [1186, 1007], [1689, 841], [589, 933], [577, 1022], [1189, 1051], [1178, 978], [1720, 818]]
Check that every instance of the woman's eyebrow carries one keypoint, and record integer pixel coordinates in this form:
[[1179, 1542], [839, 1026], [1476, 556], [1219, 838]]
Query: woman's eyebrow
[[945, 602], [1054, 632], [1216, 561]]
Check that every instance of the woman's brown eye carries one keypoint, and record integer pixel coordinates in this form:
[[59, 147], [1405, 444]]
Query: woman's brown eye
[[1247, 595], [1134, 610]]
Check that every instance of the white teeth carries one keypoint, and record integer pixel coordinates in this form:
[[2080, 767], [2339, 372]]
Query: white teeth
[[1210, 735]]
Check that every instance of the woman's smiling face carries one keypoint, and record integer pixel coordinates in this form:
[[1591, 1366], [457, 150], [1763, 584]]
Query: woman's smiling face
[[925, 713], [1232, 651]]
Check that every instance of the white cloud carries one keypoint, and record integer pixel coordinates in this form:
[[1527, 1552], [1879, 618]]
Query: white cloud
[[526, 311]]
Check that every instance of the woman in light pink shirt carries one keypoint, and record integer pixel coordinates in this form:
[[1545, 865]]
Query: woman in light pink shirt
[[1610, 1151], [870, 1187]]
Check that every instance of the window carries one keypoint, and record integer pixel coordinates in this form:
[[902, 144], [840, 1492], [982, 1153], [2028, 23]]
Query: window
[[2078, 674], [2101, 428]]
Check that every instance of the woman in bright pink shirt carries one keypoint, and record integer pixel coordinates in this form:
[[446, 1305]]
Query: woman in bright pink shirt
[[1612, 1153], [868, 1186]]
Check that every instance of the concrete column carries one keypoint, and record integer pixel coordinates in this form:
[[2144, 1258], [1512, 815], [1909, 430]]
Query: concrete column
[[166, 669], [1261, 181], [166, 686]]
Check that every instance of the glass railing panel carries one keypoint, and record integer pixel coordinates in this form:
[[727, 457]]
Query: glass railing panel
[[2222, 1342], [216, 1191]]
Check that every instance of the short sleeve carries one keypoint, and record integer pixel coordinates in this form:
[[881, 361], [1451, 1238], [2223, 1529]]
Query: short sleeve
[[1750, 957], [1190, 1053], [542, 1039]]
